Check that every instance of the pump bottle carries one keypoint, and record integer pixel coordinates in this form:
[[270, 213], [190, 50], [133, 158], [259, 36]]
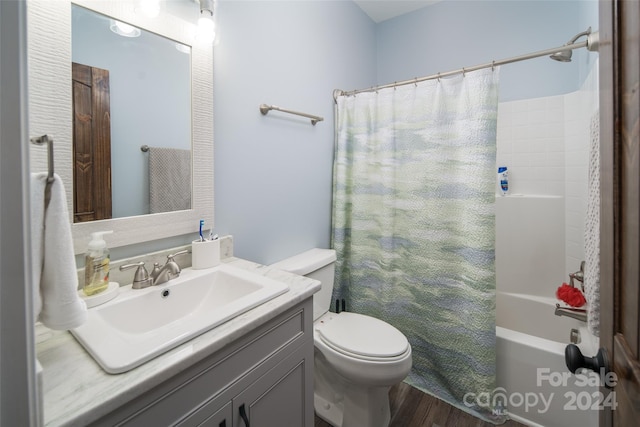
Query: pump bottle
[[96, 264]]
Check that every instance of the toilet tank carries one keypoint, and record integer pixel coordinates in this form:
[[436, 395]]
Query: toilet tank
[[318, 264]]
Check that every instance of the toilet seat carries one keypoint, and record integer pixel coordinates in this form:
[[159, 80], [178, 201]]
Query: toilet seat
[[363, 337]]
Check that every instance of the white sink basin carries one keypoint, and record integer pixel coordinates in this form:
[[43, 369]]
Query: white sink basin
[[139, 325]]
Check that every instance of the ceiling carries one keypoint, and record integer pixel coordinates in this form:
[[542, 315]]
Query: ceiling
[[377, 10], [381, 10]]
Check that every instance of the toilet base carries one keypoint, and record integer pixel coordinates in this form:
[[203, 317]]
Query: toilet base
[[330, 412], [373, 413], [344, 404]]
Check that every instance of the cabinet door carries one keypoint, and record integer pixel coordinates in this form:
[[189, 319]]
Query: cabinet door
[[222, 418], [281, 397]]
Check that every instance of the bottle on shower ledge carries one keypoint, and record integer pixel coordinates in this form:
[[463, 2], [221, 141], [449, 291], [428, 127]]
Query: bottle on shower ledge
[[503, 178]]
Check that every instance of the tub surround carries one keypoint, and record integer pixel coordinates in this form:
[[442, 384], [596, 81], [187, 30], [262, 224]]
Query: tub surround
[[76, 391], [530, 233]]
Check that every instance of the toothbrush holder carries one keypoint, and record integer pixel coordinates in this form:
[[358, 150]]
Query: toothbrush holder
[[205, 254]]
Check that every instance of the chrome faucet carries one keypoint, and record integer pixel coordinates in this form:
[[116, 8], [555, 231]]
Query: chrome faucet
[[574, 313], [169, 271], [579, 276], [141, 278]]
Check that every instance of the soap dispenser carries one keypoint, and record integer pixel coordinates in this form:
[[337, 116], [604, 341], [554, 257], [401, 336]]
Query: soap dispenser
[[96, 264]]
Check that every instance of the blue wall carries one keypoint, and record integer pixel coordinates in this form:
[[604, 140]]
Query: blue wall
[[273, 174], [453, 34]]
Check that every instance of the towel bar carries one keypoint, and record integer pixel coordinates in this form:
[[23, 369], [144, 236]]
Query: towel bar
[[264, 109]]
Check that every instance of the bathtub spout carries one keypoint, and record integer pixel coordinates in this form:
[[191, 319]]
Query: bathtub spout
[[575, 313]]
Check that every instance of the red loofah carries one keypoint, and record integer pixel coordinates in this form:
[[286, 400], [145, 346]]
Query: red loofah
[[570, 295]]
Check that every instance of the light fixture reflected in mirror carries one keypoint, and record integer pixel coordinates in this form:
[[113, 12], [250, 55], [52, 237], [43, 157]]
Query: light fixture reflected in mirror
[[183, 48], [206, 25], [125, 30], [148, 8]]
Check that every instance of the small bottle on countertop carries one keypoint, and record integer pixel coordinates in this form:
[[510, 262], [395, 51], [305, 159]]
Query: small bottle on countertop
[[96, 265]]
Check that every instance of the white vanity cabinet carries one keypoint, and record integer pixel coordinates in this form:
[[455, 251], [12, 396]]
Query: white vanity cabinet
[[264, 379]]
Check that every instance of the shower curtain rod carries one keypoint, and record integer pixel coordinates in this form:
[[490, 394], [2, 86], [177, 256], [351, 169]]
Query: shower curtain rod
[[339, 92]]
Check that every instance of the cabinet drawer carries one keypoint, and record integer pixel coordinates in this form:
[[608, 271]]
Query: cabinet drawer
[[170, 402]]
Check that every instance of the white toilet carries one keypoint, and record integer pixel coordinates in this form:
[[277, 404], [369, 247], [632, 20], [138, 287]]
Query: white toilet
[[357, 357]]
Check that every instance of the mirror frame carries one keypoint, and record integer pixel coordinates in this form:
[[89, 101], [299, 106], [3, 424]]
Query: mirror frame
[[50, 112]]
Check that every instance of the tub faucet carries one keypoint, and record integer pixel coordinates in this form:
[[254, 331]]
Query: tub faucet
[[169, 271], [575, 313], [579, 276]]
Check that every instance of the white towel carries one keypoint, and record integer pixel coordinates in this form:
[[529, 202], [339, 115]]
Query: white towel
[[169, 179], [592, 232], [55, 280]]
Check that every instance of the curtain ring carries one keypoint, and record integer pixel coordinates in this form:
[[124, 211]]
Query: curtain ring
[[438, 77], [415, 82], [395, 85], [464, 72], [493, 65]]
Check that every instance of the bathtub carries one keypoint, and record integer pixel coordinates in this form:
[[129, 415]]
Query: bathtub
[[531, 373]]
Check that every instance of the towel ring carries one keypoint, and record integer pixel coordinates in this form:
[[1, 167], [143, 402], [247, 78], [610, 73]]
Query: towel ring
[[41, 140]]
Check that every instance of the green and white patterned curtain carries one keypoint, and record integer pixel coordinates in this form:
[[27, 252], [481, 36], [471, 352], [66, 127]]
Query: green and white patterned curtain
[[414, 224]]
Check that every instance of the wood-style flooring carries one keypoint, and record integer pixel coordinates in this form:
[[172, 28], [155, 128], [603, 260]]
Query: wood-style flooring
[[411, 407]]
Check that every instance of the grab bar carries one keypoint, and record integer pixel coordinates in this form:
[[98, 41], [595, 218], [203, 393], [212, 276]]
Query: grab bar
[[264, 109], [574, 313]]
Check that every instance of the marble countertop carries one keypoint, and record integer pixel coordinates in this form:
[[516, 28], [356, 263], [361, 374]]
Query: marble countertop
[[76, 391]]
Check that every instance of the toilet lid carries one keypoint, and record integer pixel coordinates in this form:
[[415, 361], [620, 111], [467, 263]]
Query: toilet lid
[[363, 335]]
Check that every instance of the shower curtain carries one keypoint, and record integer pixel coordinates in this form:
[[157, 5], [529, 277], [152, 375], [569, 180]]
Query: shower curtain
[[414, 225]]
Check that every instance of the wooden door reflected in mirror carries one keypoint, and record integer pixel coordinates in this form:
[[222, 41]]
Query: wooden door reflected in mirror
[[91, 144]]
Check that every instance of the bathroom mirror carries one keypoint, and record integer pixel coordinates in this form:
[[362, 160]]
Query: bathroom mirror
[[141, 82], [51, 112]]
